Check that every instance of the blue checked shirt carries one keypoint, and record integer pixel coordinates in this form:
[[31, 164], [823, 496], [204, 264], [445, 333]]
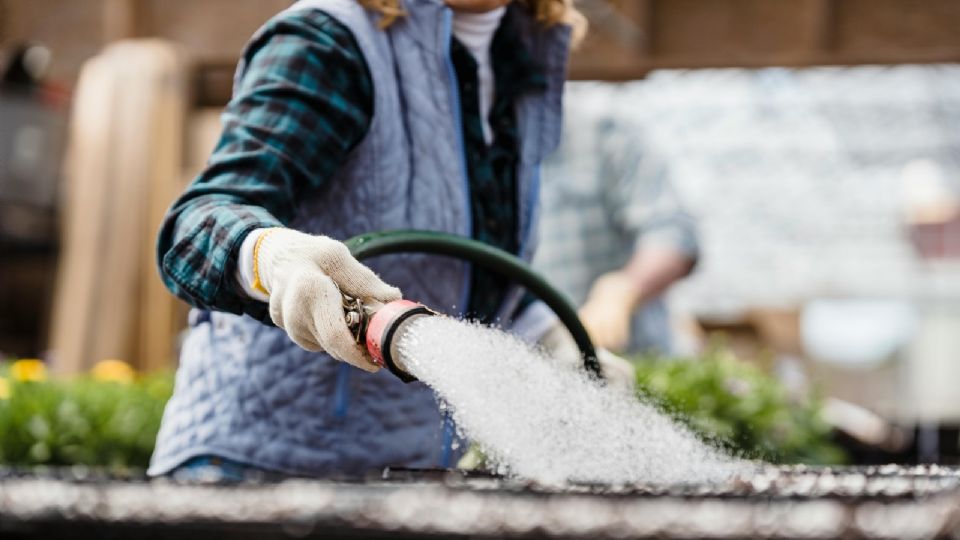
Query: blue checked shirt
[[606, 193], [304, 102]]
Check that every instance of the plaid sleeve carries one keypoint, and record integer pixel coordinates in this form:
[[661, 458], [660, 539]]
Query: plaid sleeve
[[640, 192], [303, 101]]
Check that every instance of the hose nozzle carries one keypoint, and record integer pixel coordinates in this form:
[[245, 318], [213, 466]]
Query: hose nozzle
[[378, 328]]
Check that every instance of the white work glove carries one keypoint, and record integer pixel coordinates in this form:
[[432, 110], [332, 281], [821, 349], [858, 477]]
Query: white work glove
[[305, 277], [609, 309], [559, 345]]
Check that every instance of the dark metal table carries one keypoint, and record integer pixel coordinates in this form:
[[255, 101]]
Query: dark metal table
[[798, 502]]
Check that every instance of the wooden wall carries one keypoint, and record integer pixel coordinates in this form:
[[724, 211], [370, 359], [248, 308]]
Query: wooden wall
[[629, 37], [753, 33]]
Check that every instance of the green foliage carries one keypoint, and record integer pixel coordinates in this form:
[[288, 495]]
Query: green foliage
[[113, 424], [738, 406], [81, 421]]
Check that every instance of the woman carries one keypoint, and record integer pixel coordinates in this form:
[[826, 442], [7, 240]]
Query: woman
[[348, 117]]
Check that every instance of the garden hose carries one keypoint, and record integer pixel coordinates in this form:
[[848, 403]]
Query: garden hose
[[496, 260]]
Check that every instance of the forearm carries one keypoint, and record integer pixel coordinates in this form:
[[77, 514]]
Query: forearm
[[653, 269], [198, 247], [304, 100], [247, 185]]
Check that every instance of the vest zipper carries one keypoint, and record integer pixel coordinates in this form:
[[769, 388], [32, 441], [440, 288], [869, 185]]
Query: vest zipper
[[446, 452], [514, 294], [533, 195], [341, 392], [458, 124]]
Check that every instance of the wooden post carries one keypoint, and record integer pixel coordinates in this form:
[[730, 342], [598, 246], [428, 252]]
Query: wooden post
[[126, 149], [159, 324], [819, 19], [87, 169], [119, 20]]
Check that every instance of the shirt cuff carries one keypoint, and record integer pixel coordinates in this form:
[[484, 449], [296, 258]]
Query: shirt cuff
[[534, 322], [244, 273], [679, 238]]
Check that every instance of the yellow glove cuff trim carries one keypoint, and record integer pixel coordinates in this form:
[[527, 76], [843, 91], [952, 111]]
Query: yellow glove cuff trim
[[257, 285]]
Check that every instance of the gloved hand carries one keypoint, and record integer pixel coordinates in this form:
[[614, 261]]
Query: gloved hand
[[304, 276], [559, 345], [609, 309]]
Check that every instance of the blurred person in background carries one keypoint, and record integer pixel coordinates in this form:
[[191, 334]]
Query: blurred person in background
[[614, 234], [350, 117]]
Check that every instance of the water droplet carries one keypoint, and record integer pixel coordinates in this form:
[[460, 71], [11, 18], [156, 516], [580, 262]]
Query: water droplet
[[544, 421]]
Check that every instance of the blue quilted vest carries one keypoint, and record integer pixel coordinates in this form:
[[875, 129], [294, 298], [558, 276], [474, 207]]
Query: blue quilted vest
[[244, 391]]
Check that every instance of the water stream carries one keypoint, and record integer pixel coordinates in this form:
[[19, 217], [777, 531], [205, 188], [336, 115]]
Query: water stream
[[542, 421]]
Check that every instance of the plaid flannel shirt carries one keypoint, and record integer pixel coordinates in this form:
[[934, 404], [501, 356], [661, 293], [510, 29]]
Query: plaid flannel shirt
[[303, 103]]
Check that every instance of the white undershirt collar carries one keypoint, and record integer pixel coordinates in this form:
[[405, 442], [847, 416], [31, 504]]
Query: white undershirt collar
[[476, 31]]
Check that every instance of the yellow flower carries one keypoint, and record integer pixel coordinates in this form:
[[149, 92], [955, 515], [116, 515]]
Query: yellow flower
[[28, 369], [4, 389], [114, 371]]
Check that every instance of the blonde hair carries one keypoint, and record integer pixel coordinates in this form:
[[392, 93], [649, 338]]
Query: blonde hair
[[547, 12]]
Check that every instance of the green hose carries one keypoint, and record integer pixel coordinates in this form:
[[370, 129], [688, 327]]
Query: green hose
[[436, 243]]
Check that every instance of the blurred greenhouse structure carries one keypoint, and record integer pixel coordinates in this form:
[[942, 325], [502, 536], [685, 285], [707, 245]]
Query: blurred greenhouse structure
[[828, 205]]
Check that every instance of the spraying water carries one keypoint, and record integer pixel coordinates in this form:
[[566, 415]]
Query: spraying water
[[543, 421]]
